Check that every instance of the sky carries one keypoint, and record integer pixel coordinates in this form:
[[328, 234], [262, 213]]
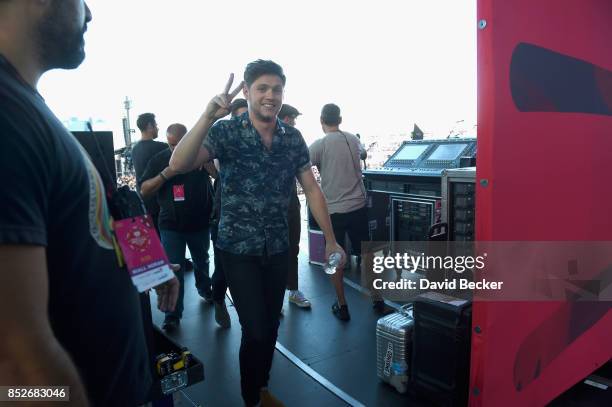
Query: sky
[[388, 64]]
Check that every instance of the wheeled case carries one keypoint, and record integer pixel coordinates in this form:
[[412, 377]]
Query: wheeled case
[[394, 347]]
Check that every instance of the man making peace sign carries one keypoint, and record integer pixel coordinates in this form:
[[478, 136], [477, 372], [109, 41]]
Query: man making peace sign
[[259, 157]]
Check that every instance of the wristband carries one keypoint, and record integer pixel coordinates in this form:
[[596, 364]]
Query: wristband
[[161, 174]]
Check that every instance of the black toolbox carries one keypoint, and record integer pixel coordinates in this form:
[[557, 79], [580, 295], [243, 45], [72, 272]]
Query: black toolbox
[[157, 344]]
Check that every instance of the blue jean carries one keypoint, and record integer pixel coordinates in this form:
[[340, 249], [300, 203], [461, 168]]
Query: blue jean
[[198, 242]]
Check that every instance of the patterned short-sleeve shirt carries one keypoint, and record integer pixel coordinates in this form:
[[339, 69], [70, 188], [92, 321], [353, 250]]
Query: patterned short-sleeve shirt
[[256, 184]]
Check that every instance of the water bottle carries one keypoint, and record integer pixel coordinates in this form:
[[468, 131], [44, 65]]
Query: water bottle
[[399, 368], [332, 262], [399, 376]]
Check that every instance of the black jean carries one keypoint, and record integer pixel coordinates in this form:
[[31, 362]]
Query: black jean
[[257, 284]]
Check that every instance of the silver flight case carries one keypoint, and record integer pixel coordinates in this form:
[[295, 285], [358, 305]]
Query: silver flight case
[[394, 347]]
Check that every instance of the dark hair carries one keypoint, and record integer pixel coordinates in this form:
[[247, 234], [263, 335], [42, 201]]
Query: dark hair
[[237, 104], [177, 130], [260, 67], [330, 115], [288, 110], [144, 120]]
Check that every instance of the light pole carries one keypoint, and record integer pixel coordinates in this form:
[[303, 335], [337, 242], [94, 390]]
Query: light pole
[[127, 128]]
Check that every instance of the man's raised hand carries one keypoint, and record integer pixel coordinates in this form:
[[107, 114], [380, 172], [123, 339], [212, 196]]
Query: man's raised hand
[[219, 106]]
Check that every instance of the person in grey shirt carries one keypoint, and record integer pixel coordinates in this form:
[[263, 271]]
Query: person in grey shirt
[[337, 156]]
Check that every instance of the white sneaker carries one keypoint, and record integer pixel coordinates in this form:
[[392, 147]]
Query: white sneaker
[[296, 297]]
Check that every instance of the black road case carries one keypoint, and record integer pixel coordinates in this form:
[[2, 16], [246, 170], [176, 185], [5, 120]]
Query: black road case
[[441, 349]]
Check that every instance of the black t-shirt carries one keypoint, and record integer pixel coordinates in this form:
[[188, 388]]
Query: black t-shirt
[[141, 154], [185, 200], [52, 196]]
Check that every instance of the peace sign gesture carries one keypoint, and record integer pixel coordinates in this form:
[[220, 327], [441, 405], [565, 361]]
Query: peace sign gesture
[[219, 106]]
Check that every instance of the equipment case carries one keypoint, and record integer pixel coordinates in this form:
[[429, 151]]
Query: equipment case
[[394, 347], [441, 349]]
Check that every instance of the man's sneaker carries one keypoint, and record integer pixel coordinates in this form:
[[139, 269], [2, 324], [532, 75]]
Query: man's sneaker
[[221, 315], [341, 312], [296, 297], [171, 323], [268, 400]]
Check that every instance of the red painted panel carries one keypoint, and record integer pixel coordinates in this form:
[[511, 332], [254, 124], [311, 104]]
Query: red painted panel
[[545, 148]]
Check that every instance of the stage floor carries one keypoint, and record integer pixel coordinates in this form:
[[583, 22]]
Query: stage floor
[[319, 360], [312, 342]]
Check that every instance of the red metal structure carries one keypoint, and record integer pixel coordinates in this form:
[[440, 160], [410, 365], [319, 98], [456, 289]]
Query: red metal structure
[[544, 159]]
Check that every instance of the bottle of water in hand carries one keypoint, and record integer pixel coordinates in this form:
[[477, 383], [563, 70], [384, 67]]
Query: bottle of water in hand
[[332, 262]]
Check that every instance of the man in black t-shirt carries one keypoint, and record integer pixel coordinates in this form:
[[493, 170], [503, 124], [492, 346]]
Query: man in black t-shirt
[[142, 152], [185, 202], [69, 315]]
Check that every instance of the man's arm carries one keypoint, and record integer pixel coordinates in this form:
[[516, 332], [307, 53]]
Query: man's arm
[[152, 185], [30, 354], [211, 169], [155, 175], [318, 207], [190, 154], [363, 154]]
